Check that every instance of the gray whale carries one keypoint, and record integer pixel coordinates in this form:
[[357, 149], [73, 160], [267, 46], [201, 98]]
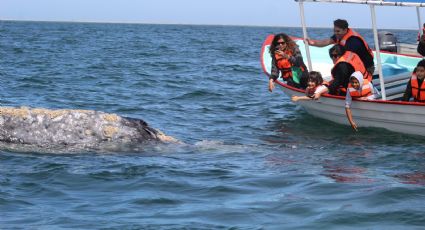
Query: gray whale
[[44, 128]]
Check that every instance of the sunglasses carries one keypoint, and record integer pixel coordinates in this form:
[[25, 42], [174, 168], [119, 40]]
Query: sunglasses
[[281, 43], [334, 55]]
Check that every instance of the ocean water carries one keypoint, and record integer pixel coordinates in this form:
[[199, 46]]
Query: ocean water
[[251, 159]]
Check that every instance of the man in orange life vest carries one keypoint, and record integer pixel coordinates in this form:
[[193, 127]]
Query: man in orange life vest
[[345, 63], [352, 41], [416, 86]]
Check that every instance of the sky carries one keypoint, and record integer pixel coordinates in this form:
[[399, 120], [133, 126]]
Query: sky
[[215, 12]]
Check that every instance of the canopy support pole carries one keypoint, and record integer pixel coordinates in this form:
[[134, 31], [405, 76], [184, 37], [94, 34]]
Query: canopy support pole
[[418, 13], [307, 48], [378, 52]]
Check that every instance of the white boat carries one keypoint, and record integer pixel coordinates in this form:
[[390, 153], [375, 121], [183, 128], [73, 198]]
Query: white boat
[[394, 71]]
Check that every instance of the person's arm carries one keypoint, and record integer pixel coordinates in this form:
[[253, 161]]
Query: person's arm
[[350, 119], [348, 101], [319, 43], [321, 90], [271, 84], [297, 59], [298, 98], [273, 75], [408, 92]]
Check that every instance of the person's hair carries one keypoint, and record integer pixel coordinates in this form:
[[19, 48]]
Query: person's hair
[[423, 25], [338, 49], [289, 43], [352, 78], [341, 23], [315, 77], [421, 63]]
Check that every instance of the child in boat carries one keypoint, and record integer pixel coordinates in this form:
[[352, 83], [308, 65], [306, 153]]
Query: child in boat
[[415, 87], [358, 88], [314, 85]]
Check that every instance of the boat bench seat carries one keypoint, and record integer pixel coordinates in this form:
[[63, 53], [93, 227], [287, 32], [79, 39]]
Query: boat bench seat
[[395, 85]]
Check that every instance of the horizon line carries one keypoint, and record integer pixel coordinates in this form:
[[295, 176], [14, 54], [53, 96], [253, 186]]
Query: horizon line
[[184, 24]]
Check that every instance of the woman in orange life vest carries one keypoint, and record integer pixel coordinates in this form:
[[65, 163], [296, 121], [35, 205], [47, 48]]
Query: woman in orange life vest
[[287, 60], [315, 84], [358, 88], [345, 63], [416, 86], [352, 41]]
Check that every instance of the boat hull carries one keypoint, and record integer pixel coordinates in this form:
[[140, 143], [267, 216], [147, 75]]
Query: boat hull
[[400, 117]]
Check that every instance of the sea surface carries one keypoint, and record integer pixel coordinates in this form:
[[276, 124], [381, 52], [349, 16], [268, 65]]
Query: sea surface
[[250, 159]]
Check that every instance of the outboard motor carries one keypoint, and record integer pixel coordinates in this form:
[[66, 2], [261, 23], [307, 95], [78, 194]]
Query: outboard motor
[[387, 41]]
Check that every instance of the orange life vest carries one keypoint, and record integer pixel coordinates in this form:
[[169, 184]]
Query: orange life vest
[[418, 92], [366, 90], [284, 65], [344, 39], [354, 60], [351, 33]]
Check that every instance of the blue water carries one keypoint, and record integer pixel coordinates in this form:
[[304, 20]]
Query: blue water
[[251, 159]]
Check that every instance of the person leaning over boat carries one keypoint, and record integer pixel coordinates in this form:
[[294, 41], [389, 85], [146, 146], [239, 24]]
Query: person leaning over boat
[[287, 60], [416, 86], [352, 41], [345, 63], [358, 88], [315, 85]]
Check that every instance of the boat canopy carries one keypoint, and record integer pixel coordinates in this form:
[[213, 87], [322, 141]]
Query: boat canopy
[[372, 3], [417, 3]]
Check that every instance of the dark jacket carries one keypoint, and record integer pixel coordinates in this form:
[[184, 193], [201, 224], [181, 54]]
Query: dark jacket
[[341, 73], [356, 45], [421, 46]]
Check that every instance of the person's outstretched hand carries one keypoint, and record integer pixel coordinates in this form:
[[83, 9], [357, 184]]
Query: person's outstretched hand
[[317, 96], [271, 85], [354, 126], [308, 41]]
